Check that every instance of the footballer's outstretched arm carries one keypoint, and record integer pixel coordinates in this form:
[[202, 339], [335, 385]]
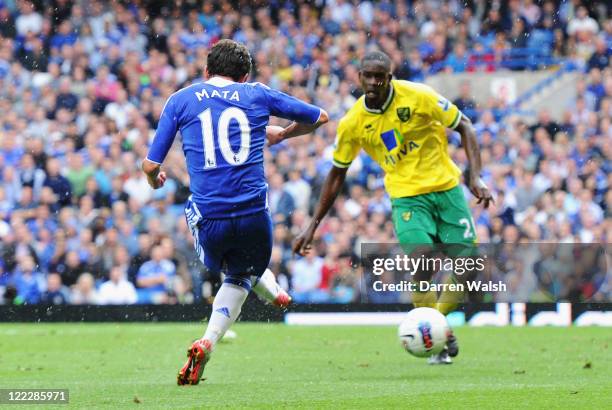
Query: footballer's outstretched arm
[[306, 117], [331, 188], [164, 137], [470, 144], [295, 129]]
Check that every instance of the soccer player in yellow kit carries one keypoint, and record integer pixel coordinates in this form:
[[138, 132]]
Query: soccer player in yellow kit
[[402, 126]]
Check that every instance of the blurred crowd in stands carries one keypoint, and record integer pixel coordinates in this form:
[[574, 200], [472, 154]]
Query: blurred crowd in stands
[[82, 85]]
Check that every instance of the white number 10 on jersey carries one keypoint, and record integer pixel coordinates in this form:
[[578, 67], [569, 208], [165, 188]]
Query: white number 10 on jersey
[[232, 158]]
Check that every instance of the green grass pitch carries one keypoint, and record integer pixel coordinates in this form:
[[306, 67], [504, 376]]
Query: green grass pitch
[[278, 366]]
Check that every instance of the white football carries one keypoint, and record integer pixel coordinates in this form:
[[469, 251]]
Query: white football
[[423, 332]]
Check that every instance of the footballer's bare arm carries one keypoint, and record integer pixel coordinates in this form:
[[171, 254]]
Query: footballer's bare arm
[[470, 144], [329, 192], [277, 134], [155, 177]]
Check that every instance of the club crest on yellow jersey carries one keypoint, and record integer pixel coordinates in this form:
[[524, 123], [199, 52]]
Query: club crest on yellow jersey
[[403, 113]]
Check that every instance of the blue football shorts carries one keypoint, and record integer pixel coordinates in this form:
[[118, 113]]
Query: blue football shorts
[[243, 245]]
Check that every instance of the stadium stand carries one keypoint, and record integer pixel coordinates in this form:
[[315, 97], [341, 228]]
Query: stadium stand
[[82, 84]]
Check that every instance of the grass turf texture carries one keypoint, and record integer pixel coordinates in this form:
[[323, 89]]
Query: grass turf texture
[[273, 365]]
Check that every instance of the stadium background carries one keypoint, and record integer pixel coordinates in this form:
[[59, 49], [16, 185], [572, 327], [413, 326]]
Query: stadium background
[[83, 83]]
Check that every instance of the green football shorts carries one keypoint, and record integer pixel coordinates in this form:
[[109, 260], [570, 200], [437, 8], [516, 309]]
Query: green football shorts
[[436, 217]]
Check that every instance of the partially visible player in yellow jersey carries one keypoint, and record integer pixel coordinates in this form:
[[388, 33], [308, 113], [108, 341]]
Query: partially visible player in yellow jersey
[[406, 137], [402, 126]]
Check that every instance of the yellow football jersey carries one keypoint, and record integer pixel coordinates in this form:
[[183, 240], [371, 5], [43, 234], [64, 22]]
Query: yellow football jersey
[[407, 138]]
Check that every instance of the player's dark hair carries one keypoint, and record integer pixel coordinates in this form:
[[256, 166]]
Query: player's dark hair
[[377, 56], [229, 59]]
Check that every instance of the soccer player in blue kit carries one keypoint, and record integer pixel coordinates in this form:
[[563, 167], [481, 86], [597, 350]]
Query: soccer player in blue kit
[[224, 124]]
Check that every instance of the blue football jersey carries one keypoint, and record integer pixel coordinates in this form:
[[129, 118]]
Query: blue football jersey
[[223, 131]]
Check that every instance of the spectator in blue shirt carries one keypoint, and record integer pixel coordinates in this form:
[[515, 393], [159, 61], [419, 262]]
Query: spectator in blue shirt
[[56, 293], [66, 98], [457, 61], [58, 183], [154, 275], [11, 151], [4, 275], [208, 19], [28, 281], [65, 35]]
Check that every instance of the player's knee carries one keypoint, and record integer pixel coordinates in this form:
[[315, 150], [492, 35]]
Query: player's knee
[[415, 241], [238, 280]]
